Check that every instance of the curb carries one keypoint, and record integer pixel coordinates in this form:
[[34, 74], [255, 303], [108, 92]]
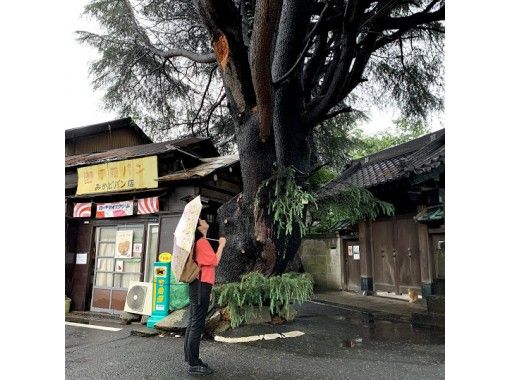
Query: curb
[[377, 314], [87, 319]]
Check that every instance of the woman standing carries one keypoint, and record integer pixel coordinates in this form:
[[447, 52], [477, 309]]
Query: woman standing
[[199, 295]]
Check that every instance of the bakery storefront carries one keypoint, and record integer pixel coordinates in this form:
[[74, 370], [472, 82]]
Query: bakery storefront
[[123, 214]]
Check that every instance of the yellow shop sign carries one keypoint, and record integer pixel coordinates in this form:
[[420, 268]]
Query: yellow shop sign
[[139, 173], [165, 257]]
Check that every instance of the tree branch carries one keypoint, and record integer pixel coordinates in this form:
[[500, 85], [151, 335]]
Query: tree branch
[[213, 107], [336, 77], [308, 39], [392, 23], [203, 98], [315, 65], [264, 26], [334, 114], [222, 20], [196, 57]]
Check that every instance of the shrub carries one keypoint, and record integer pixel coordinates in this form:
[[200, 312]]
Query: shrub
[[244, 299]]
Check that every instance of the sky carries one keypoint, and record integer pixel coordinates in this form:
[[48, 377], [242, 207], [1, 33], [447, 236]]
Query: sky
[[87, 108]]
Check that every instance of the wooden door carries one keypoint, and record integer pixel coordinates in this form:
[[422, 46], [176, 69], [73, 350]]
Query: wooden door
[[407, 259], [383, 250], [352, 272], [395, 251]]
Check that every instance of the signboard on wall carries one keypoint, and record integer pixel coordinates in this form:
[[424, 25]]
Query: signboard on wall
[[124, 243], [355, 252], [119, 266], [137, 248], [81, 258], [138, 173], [114, 209]]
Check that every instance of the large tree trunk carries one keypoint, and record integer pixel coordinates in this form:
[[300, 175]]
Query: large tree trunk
[[249, 244], [290, 134], [252, 243]]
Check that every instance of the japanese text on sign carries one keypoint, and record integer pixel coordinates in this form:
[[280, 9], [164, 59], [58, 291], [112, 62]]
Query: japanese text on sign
[[139, 173]]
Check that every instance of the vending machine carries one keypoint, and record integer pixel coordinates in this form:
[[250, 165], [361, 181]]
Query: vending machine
[[160, 290]]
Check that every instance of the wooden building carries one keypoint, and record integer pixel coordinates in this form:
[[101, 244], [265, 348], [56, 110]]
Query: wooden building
[[118, 182], [104, 136], [393, 254]]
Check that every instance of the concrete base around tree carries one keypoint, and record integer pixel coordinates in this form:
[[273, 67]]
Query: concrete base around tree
[[176, 321]]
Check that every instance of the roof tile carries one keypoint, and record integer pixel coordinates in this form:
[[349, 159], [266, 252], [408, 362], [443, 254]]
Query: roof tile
[[414, 157]]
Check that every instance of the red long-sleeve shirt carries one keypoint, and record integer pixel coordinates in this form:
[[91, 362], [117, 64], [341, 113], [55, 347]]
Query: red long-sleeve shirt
[[206, 259]]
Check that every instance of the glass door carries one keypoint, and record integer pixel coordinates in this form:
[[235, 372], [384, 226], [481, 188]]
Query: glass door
[[151, 252], [117, 264]]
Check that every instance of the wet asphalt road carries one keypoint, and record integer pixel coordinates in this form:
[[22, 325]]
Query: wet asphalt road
[[337, 344]]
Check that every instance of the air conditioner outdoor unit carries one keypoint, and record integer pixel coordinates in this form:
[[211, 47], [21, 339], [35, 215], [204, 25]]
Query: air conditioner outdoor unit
[[139, 298]]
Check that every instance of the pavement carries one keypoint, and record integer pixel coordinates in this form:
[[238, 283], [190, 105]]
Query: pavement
[[93, 318], [336, 344], [380, 307]]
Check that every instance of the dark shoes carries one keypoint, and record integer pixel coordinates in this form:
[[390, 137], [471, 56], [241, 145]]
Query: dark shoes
[[201, 369]]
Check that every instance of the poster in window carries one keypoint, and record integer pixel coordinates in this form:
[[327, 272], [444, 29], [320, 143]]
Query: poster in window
[[349, 250], [355, 252], [81, 258], [137, 248], [119, 266], [124, 244]]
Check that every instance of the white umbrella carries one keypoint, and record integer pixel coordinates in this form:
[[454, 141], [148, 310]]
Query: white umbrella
[[184, 235]]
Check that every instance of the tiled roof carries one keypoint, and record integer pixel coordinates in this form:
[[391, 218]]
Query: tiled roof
[[132, 152], [208, 166], [414, 157]]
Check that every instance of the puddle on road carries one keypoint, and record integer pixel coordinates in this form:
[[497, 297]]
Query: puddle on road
[[352, 342], [349, 325]]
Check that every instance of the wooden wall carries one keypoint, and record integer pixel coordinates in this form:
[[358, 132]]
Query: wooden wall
[[119, 138], [82, 272]]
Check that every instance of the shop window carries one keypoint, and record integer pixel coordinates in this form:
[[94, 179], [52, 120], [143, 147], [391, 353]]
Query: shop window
[[105, 257], [107, 234], [104, 280], [112, 271], [123, 280]]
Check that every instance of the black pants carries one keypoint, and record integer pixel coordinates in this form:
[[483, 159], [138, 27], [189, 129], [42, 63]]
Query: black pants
[[199, 293]]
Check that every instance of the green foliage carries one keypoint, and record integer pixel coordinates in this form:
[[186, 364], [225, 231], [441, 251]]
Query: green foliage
[[408, 74], [321, 177], [163, 93], [245, 299], [403, 131], [286, 201], [334, 139], [166, 93], [350, 206]]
